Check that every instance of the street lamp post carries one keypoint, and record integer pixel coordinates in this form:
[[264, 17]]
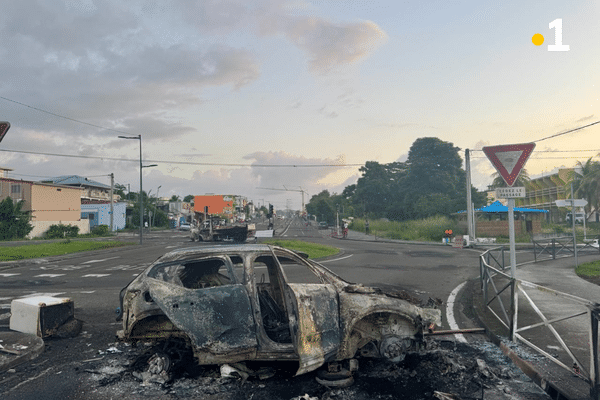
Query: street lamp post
[[139, 137]]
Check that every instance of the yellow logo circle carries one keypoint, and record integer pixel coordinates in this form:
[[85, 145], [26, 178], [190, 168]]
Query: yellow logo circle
[[537, 39]]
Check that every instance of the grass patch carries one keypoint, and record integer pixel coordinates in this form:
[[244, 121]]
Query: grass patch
[[590, 270], [314, 250], [54, 249], [426, 230]]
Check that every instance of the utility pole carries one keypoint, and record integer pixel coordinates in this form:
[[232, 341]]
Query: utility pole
[[470, 230], [112, 185]]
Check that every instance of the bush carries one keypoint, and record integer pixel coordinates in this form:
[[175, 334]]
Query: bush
[[100, 230], [61, 231]]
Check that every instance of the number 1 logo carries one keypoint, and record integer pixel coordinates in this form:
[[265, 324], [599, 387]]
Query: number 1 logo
[[558, 45]]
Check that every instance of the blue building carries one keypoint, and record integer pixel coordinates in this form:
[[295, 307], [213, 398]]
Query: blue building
[[99, 214]]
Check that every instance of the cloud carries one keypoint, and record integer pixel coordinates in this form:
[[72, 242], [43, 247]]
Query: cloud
[[330, 45]]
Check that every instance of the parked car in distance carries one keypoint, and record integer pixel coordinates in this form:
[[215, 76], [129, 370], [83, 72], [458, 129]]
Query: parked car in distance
[[323, 225], [227, 304], [185, 227]]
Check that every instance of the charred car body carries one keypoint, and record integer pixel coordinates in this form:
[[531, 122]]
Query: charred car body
[[266, 303]]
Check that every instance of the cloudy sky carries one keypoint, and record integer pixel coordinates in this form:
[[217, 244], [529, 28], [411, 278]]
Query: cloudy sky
[[232, 96]]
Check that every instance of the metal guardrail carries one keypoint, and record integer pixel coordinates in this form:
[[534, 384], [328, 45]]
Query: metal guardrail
[[502, 294], [561, 247]]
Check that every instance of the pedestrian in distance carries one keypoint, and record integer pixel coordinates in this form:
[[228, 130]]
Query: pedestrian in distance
[[366, 226], [345, 229]]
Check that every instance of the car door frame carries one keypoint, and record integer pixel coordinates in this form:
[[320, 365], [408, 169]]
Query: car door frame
[[313, 311]]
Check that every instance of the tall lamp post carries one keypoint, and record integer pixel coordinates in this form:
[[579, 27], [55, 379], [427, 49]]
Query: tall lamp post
[[139, 137]]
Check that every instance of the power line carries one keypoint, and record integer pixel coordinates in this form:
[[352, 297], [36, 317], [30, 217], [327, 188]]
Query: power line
[[569, 131], [185, 162], [62, 116]]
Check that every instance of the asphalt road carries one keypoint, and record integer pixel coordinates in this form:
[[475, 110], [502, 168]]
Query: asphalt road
[[93, 281]]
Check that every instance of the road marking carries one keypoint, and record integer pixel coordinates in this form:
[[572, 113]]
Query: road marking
[[88, 291], [48, 275], [95, 275], [336, 259], [450, 312], [97, 261], [5, 298], [7, 275]]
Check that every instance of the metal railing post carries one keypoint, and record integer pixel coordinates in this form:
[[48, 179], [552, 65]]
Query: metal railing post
[[594, 368], [513, 310], [554, 249]]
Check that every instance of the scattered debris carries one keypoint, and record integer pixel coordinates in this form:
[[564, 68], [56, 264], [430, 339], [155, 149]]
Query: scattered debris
[[461, 371]]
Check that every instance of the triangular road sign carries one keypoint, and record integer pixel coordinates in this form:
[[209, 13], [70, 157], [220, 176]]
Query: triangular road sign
[[4, 127], [509, 159]]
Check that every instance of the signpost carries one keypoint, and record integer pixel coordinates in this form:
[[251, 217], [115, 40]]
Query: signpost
[[4, 127], [509, 160]]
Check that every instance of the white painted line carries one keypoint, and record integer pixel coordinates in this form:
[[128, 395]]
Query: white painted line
[[450, 312], [48, 275], [7, 275], [4, 306], [5, 298], [335, 259], [88, 291], [97, 261], [95, 275]]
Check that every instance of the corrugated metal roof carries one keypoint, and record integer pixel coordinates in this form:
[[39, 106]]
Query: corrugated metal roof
[[75, 180]]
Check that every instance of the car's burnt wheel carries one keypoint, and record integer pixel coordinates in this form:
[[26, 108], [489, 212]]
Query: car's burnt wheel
[[341, 378], [394, 348]]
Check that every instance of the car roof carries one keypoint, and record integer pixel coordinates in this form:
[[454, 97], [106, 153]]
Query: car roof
[[216, 249]]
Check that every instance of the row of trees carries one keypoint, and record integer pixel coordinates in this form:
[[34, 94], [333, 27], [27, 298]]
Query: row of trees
[[430, 182], [159, 217]]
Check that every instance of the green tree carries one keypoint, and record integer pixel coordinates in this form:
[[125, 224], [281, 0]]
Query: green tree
[[120, 190], [174, 198], [522, 180], [435, 182], [14, 223], [324, 206], [377, 188], [586, 184], [189, 198]]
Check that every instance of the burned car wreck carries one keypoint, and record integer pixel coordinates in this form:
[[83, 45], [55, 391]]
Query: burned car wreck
[[266, 303]]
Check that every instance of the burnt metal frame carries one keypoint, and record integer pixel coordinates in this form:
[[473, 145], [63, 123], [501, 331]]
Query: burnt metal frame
[[510, 321]]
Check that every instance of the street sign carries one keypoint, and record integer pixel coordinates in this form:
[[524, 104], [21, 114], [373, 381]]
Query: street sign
[[509, 159], [510, 192], [4, 127], [571, 203]]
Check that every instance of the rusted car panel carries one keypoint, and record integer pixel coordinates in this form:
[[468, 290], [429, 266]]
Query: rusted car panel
[[259, 302]]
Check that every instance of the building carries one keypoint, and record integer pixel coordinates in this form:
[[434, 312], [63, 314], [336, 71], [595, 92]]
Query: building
[[47, 204], [543, 191], [99, 214], [217, 204], [91, 191]]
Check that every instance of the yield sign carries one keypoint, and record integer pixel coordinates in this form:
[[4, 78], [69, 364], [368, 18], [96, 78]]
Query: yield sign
[[4, 127], [509, 159]]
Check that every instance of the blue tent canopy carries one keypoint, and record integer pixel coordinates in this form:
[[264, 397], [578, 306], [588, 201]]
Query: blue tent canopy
[[497, 207]]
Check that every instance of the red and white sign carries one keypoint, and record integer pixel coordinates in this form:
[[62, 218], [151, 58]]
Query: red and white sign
[[4, 127], [509, 159]]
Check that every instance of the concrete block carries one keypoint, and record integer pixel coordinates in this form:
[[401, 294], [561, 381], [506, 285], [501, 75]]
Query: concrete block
[[41, 315]]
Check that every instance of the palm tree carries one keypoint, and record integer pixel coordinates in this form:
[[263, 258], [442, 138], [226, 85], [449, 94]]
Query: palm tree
[[586, 184], [522, 180]]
